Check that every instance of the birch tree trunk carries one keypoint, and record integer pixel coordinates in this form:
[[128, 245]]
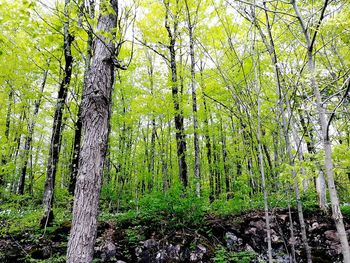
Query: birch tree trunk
[[95, 117], [328, 162], [197, 177]]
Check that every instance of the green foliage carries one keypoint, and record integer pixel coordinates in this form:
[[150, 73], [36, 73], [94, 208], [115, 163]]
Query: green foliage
[[224, 256], [345, 209], [179, 207], [134, 235], [53, 259]]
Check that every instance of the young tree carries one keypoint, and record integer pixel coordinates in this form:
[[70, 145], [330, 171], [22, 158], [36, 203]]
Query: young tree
[[55, 144], [324, 124]]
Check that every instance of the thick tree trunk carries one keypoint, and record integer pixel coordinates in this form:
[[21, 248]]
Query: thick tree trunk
[[179, 121], [55, 143], [78, 125], [29, 137], [95, 118]]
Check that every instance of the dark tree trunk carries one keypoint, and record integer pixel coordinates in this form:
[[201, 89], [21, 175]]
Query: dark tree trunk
[[55, 143], [7, 133], [95, 118], [179, 119]]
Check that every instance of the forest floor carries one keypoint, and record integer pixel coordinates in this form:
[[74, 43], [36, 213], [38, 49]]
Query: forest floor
[[217, 239]]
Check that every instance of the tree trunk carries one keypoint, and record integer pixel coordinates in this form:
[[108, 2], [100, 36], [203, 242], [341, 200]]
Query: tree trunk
[[78, 125], [272, 51], [95, 118], [179, 119], [262, 171], [208, 143], [7, 133], [29, 137], [55, 143], [197, 176], [328, 162]]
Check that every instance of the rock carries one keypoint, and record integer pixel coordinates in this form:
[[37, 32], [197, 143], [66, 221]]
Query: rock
[[173, 252], [251, 231], [249, 248], [108, 251], [232, 241], [275, 239], [150, 243], [331, 235], [283, 217], [260, 224], [198, 254]]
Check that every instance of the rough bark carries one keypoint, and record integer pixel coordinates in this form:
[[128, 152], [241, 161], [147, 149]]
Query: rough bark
[[95, 118], [55, 143], [78, 124]]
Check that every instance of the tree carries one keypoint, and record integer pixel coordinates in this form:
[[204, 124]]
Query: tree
[[95, 118], [324, 124], [55, 144]]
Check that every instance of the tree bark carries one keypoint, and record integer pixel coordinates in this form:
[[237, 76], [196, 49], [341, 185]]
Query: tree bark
[[55, 144], [95, 118], [328, 162], [179, 119], [78, 124], [197, 176]]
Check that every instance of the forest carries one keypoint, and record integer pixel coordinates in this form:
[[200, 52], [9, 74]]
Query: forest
[[151, 131]]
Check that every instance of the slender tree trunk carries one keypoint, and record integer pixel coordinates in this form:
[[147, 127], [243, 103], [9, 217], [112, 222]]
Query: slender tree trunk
[[29, 137], [197, 176], [225, 162], [152, 153], [208, 143], [55, 143], [179, 118], [320, 183], [95, 118], [328, 162], [7, 133], [262, 171], [272, 51]]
